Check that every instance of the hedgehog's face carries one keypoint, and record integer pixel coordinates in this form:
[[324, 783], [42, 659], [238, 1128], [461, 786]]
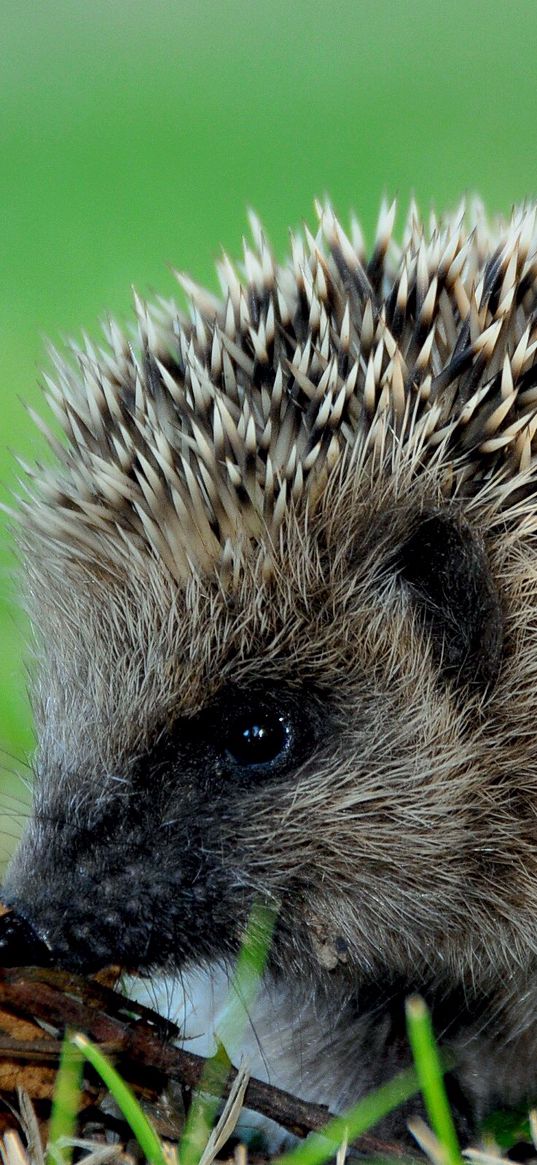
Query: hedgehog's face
[[311, 739]]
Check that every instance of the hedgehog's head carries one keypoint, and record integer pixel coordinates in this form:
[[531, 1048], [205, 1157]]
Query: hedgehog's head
[[269, 579]]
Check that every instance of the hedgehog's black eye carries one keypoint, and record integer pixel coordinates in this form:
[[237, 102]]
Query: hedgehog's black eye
[[258, 740], [261, 732]]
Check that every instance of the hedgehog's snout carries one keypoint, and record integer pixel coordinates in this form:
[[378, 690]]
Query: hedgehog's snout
[[80, 944], [24, 945], [85, 895], [20, 944], [71, 904]]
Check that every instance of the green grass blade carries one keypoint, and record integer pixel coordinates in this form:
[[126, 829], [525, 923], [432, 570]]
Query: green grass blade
[[357, 1120], [249, 968], [204, 1108], [124, 1097], [251, 962], [431, 1077], [65, 1105]]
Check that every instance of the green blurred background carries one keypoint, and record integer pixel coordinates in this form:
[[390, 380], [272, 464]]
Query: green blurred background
[[135, 133]]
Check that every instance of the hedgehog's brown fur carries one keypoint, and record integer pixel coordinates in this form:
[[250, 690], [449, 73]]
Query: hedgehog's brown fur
[[233, 509]]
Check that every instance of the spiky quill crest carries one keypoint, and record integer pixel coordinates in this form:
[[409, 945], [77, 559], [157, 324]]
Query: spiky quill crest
[[204, 433]]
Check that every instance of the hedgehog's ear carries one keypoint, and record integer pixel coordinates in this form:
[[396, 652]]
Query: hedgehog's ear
[[446, 567]]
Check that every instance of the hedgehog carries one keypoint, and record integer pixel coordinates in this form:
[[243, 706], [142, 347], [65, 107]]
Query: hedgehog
[[282, 576]]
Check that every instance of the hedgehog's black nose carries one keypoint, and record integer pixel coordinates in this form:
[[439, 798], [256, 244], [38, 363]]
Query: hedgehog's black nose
[[20, 945]]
